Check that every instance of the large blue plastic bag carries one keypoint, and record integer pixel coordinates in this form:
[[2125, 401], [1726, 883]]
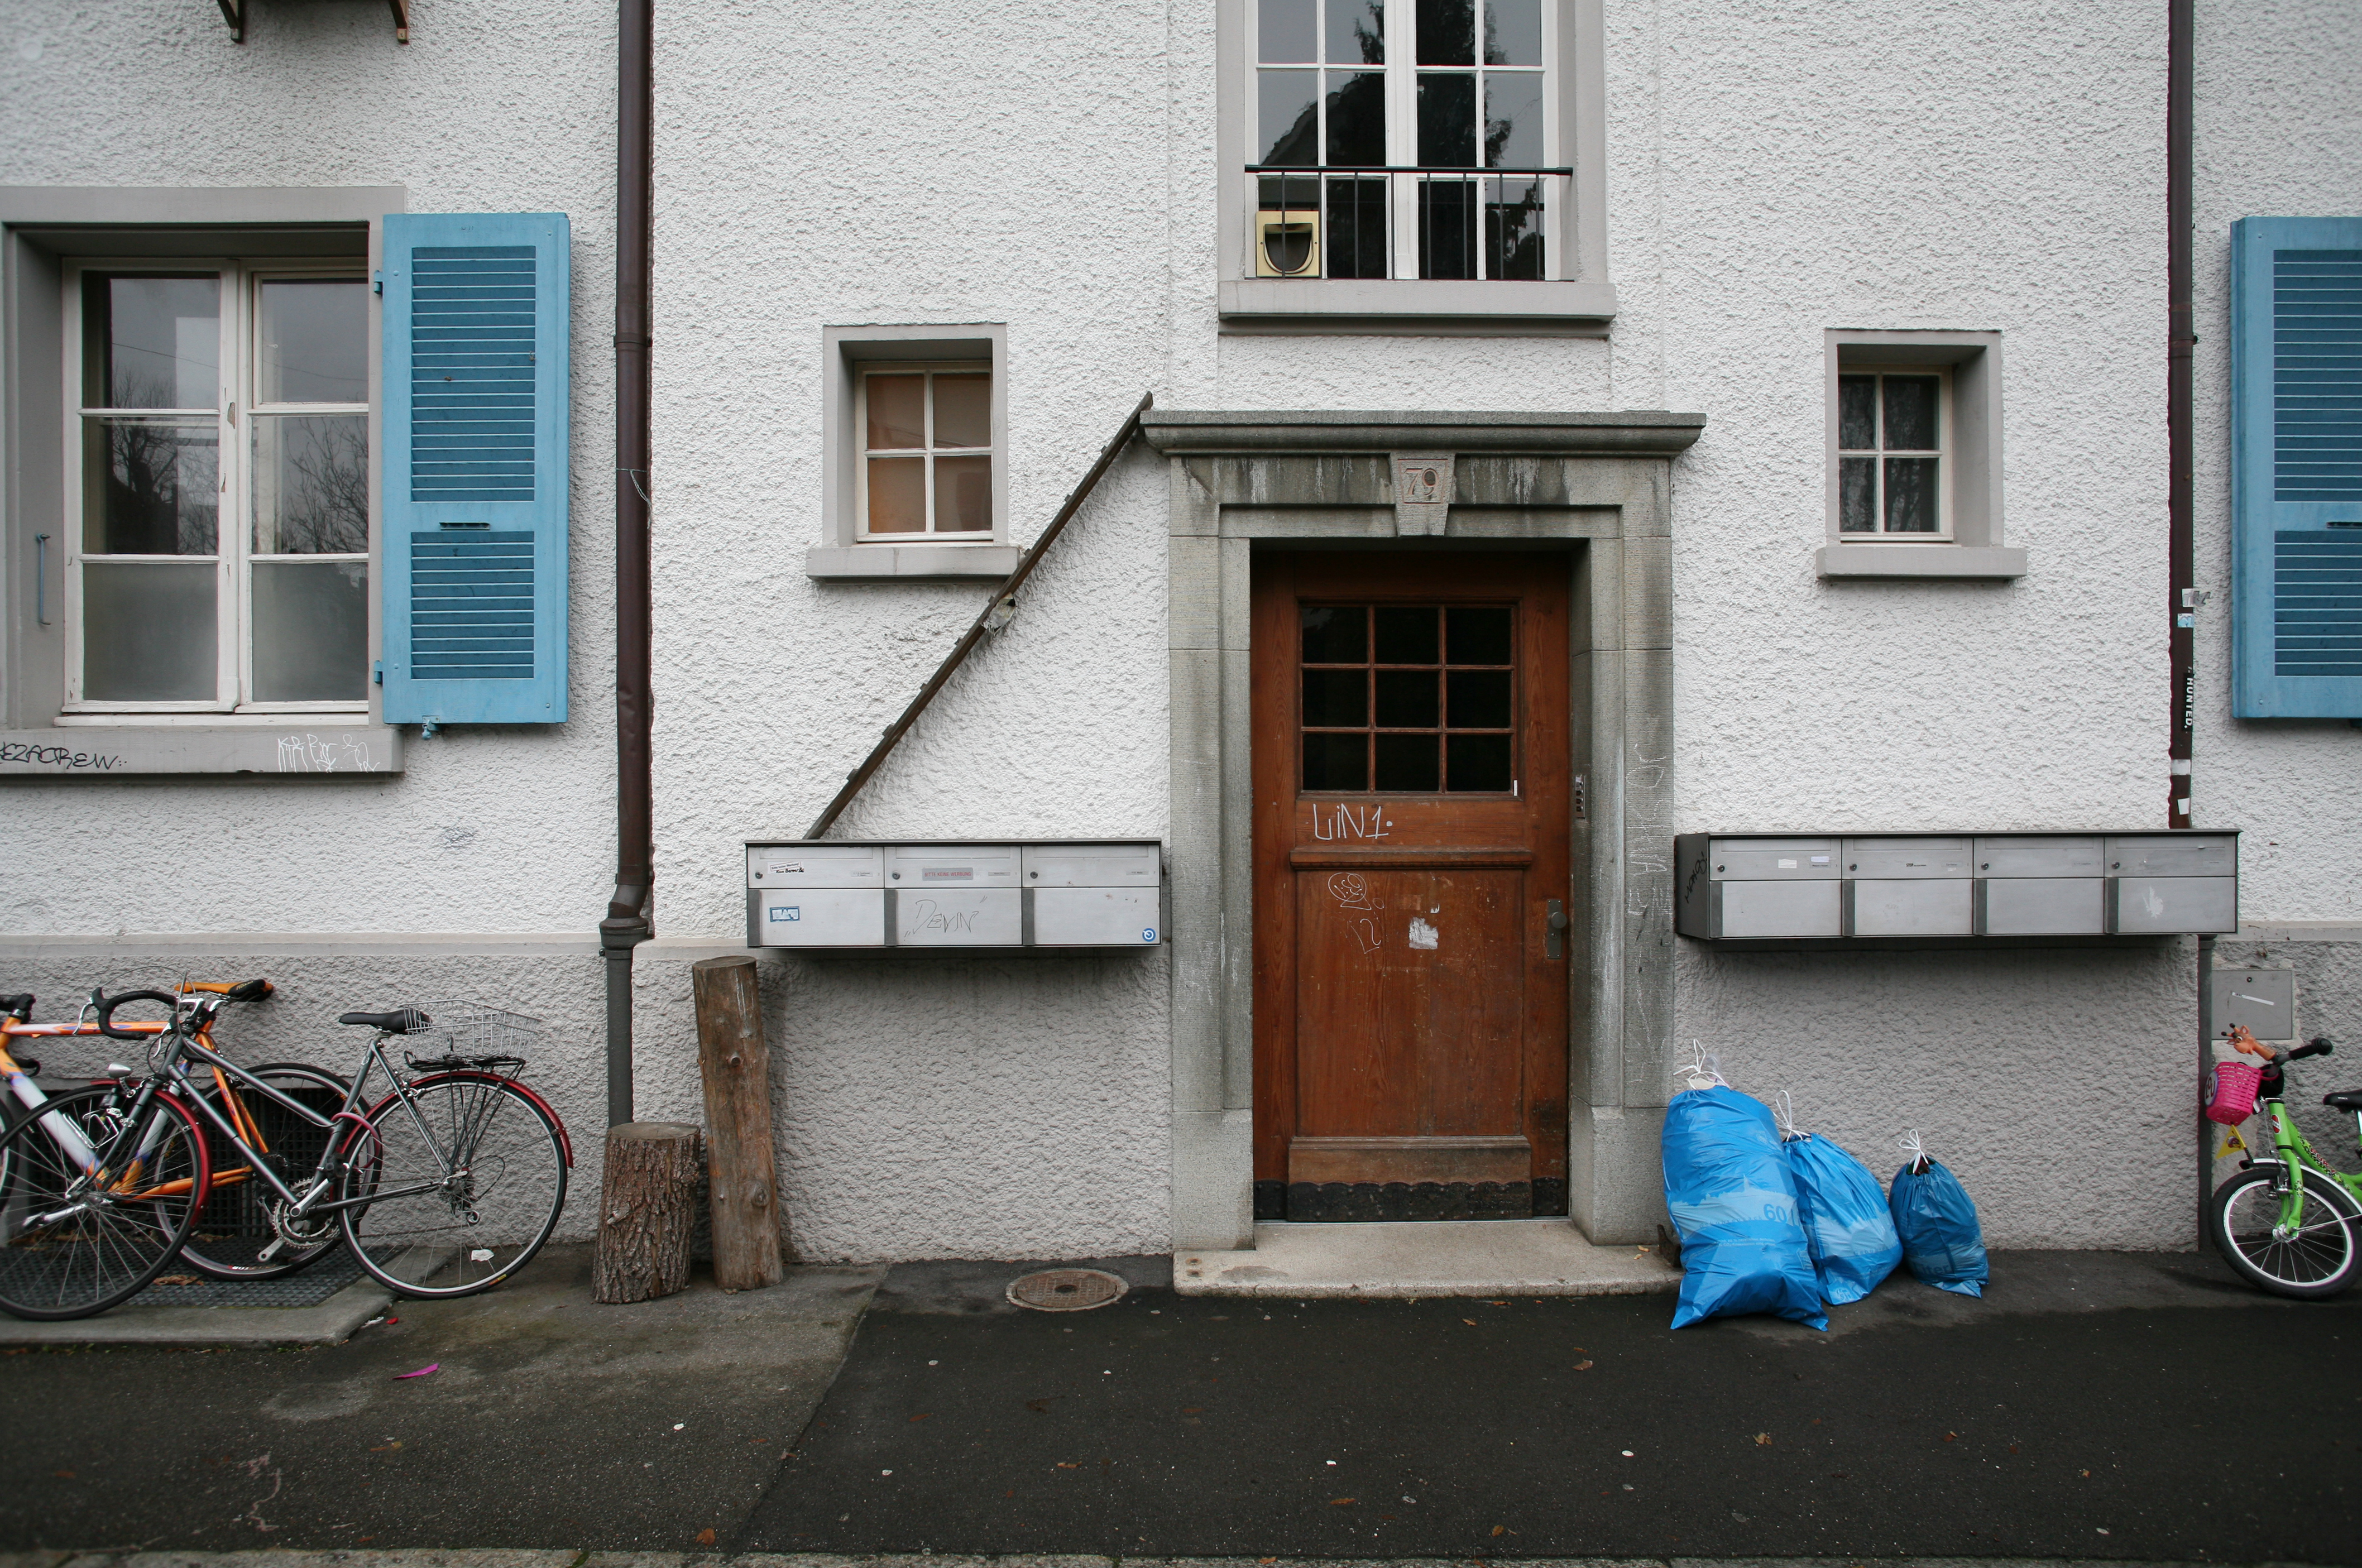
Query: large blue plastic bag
[[1853, 1236], [1734, 1203], [1941, 1239]]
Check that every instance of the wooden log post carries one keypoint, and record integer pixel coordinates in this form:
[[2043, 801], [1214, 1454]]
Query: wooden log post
[[646, 1211], [736, 1064]]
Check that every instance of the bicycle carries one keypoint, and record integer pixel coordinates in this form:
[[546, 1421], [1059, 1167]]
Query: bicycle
[[444, 1186], [232, 1229], [2285, 1222]]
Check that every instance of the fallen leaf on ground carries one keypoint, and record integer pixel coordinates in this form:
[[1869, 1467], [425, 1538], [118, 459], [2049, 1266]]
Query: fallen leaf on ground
[[1763, 1440], [923, 1415], [1582, 1366], [1500, 1529], [1339, 1502], [432, 1367], [1950, 1436], [1064, 1465], [1470, 1321], [63, 1474], [175, 1279], [387, 1447], [705, 1537]]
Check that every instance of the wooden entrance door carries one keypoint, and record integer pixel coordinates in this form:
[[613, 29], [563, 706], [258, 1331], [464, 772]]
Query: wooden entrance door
[[1412, 829]]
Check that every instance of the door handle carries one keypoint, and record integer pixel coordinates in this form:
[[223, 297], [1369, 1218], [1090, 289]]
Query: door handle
[[1555, 930]]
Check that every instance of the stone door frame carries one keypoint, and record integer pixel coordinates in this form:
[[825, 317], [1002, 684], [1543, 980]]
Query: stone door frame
[[1599, 484]]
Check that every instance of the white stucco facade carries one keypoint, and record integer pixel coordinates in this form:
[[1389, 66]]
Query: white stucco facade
[[1770, 176]]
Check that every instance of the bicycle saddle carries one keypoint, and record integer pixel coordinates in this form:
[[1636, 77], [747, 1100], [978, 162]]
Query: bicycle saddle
[[400, 1021], [2344, 1099]]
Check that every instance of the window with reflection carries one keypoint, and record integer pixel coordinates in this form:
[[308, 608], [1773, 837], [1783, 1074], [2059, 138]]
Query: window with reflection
[[1890, 457], [1422, 132], [221, 556], [1408, 699], [926, 451]]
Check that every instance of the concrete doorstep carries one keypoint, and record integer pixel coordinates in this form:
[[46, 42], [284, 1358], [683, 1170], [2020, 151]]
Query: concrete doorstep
[[422, 1558], [1494, 1257]]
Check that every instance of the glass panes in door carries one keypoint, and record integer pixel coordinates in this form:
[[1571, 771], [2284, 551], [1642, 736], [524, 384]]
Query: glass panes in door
[[1408, 699]]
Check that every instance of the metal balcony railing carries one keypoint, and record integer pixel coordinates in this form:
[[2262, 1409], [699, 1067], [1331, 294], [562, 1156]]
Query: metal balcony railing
[[1403, 222]]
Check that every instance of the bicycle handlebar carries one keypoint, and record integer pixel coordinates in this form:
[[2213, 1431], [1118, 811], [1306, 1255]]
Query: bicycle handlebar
[[244, 990], [108, 1004]]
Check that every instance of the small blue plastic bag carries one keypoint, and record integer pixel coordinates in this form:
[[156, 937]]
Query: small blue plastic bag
[[1734, 1202], [1941, 1239], [1853, 1236]]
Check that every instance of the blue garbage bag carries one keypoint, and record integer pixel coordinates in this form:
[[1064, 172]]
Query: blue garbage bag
[[1853, 1236], [1732, 1199], [1941, 1239]]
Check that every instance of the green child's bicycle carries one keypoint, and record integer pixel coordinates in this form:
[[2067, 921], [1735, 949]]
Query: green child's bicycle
[[2284, 1221]]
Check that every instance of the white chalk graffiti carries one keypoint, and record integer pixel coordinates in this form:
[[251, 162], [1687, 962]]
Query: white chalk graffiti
[[1350, 822], [307, 753], [1350, 891], [1365, 932], [926, 915]]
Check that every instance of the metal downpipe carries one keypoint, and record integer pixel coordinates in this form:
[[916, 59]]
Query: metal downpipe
[[627, 923]]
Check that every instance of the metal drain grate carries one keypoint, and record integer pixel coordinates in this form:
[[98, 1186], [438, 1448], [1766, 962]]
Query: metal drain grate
[[180, 1287], [1067, 1289]]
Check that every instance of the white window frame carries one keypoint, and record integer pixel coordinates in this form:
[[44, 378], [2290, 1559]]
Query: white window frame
[[930, 535], [1944, 453], [1574, 298], [239, 359]]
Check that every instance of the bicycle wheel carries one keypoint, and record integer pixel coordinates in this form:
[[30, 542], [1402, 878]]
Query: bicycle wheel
[[69, 1246], [2316, 1256], [459, 1185], [236, 1236]]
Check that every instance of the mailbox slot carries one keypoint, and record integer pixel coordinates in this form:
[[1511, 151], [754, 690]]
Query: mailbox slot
[[1898, 860], [1776, 859]]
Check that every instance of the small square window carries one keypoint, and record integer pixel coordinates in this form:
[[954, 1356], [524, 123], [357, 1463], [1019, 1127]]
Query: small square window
[[915, 429], [1914, 449], [927, 455]]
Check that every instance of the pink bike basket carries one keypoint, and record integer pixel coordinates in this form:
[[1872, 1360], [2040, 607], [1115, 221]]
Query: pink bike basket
[[2232, 1099]]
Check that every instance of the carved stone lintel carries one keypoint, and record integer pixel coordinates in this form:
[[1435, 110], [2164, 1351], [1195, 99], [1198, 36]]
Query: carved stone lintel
[[1422, 491]]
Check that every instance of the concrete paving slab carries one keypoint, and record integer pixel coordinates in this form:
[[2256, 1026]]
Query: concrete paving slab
[[331, 1323], [1500, 1257], [549, 1419]]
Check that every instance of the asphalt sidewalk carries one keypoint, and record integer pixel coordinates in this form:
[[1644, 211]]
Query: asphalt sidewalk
[[2093, 1405]]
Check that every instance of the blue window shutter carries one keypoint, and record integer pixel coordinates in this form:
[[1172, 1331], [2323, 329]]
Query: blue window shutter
[[475, 466], [2296, 468]]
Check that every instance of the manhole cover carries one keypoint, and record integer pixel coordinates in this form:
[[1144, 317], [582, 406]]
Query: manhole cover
[[1067, 1289]]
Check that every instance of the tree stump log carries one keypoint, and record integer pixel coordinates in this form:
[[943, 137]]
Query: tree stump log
[[646, 1211], [736, 1064]]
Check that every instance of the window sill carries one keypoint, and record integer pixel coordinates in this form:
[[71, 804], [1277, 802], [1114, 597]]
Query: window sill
[[1399, 306], [303, 745], [1982, 562], [912, 563]]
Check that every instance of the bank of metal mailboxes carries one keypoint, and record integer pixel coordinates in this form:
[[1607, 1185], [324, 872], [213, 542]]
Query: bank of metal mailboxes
[[905, 893], [1761, 888]]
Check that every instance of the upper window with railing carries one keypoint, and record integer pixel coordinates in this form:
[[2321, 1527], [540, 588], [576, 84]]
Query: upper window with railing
[[1406, 139]]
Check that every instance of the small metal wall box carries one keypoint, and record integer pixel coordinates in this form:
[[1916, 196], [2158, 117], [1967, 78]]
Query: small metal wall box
[[1009, 895], [2262, 998], [1953, 889]]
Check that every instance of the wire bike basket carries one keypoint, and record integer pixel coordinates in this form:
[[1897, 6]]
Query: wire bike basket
[[469, 1034]]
